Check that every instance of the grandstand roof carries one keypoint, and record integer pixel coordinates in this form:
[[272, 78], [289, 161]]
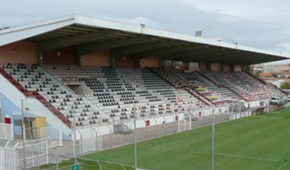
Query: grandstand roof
[[92, 34]]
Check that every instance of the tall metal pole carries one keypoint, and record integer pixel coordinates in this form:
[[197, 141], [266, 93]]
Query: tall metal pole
[[23, 137], [212, 142], [135, 140], [74, 133]]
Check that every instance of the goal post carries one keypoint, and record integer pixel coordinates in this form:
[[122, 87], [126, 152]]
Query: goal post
[[185, 123]]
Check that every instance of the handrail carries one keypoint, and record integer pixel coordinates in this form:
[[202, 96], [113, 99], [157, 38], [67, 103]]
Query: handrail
[[203, 99], [204, 76], [278, 89], [256, 78]]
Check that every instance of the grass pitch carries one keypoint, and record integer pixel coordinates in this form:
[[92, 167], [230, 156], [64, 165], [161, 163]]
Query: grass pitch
[[253, 143]]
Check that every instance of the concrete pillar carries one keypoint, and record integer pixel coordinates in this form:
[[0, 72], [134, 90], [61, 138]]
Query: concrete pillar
[[138, 62], [112, 61], [80, 60], [40, 59]]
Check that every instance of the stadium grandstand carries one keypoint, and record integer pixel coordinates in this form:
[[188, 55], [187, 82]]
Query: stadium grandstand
[[74, 76]]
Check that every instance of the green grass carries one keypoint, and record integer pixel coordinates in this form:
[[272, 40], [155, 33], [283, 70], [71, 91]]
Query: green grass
[[253, 143], [87, 165]]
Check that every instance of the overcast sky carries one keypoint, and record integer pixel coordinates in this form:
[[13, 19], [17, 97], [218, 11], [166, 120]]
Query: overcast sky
[[257, 23]]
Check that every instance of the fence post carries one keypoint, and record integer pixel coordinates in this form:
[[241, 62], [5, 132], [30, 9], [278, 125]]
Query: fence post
[[190, 122], [81, 143], [178, 125], [5, 134], [123, 137], [12, 131], [60, 143], [146, 133], [46, 152], [95, 141], [184, 121], [111, 136], [156, 130], [174, 124], [56, 162]]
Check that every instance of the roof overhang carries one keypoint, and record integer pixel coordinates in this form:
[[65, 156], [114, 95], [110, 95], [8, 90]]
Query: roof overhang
[[91, 34]]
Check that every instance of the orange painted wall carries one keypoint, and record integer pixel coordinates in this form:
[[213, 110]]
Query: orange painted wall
[[238, 68], [68, 55], [19, 52], [215, 67], [186, 65], [97, 59], [149, 62]]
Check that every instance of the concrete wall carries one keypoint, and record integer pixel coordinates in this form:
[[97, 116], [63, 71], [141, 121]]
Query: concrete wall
[[19, 52], [128, 61], [238, 68], [8, 110], [215, 67], [97, 59], [11, 99], [149, 62], [65, 55], [226, 67]]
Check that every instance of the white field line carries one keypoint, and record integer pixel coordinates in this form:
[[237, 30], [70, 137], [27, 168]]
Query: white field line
[[282, 166], [218, 154], [182, 139]]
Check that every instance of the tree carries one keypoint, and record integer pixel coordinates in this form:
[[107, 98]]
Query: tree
[[285, 85], [275, 75], [249, 69]]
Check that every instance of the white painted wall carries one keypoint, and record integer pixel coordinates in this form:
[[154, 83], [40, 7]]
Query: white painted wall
[[35, 107]]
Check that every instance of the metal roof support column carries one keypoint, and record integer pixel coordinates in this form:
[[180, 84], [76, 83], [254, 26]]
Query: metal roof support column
[[40, 59], [112, 61], [161, 62], [80, 60], [138, 62]]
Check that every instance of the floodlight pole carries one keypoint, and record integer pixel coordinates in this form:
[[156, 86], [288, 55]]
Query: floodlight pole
[[135, 139], [74, 133], [23, 137], [213, 144]]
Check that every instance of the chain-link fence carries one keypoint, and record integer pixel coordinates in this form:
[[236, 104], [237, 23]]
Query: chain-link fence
[[6, 131], [121, 134]]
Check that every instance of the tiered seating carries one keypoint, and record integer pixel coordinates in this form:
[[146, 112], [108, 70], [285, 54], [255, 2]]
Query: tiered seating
[[222, 92], [201, 85], [33, 78], [173, 78], [241, 83], [269, 90], [121, 93]]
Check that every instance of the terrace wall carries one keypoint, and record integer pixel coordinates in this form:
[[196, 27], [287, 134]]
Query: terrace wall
[[19, 52], [97, 59]]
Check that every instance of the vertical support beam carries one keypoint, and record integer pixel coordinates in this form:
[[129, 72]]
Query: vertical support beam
[[212, 141], [112, 61], [161, 62], [80, 60], [208, 66], [138, 62], [40, 59]]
